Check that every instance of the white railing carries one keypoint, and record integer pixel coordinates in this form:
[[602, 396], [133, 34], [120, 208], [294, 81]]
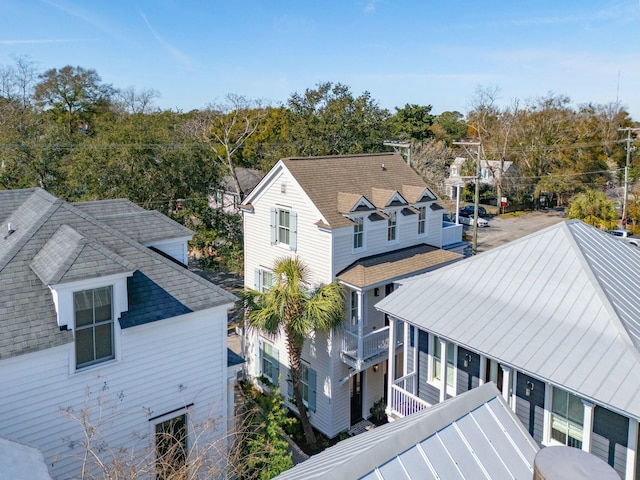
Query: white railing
[[403, 403], [373, 343], [451, 233], [408, 383]]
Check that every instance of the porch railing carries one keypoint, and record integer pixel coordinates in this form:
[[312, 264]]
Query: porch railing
[[451, 233], [373, 344], [404, 403]]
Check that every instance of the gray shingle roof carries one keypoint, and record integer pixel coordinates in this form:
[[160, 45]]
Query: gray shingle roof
[[561, 304], [159, 288], [472, 436], [141, 225]]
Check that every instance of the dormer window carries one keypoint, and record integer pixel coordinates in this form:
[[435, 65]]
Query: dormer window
[[392, 234], [93, 311], [358, 233]]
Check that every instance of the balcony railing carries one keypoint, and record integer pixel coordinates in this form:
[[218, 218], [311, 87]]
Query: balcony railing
[[374, 344], [404, 403], [451, 234]]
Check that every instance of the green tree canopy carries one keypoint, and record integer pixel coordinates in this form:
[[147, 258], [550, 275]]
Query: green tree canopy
[[412, 122], [593, 207]]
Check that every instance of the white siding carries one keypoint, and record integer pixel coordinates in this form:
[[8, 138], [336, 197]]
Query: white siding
[[375, 238], [162, 366], [176, 249]]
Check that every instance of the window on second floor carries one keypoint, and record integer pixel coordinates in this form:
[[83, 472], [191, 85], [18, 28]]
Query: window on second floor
[[567, 418], [94, 326], [422, 220], [284, 227], [353, 320], [392, 234], [358, 233]]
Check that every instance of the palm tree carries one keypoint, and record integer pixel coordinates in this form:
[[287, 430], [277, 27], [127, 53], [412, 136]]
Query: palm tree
[[593, 207], [292, 307]]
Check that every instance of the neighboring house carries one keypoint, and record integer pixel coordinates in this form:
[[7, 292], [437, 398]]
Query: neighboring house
[[490, 172], [553, 319], [472, 436], [98, 315], [364, 220], [225, 196]]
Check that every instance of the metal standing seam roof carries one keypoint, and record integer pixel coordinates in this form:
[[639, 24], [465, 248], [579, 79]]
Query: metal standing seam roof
[[159, 289], [323, 179], [560, 304], [472, 436]]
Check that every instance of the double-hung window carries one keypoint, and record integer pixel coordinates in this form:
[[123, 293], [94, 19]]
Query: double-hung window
[[264, 280], [567, 418], [269, 362], [422, 220], [284, 227], [437, 361], [392, 234], [308, 381], [358, 233], [93, 326]]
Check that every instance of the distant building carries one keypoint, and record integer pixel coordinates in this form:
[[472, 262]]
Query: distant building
[[490, 172], [225, 196]]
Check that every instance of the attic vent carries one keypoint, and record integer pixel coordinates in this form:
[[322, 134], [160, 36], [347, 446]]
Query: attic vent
[[10, 231], [383, 167], [283, 187]]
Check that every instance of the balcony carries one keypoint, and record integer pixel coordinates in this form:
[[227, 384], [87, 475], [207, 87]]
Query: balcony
[[357, 352], [403, 400], [451, 234]]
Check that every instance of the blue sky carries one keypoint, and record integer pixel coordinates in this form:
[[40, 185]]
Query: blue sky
[[402, 51]]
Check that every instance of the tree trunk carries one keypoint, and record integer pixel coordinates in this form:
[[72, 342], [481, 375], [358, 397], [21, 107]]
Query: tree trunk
[[295, 357]]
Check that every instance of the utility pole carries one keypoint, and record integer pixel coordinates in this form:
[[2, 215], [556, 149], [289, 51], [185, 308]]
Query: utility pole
[[398, 147], [476, 203], [626, 169]]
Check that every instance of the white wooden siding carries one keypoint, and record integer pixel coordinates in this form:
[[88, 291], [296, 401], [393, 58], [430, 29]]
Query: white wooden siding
[[163, 366], [175, 248]]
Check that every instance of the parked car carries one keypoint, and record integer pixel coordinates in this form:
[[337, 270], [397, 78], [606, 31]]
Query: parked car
[[626, 236], [468, 210], [468, 220]]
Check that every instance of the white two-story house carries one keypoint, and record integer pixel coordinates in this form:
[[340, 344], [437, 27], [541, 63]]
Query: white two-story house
[[365, 220], [107, 341], [553, 319]]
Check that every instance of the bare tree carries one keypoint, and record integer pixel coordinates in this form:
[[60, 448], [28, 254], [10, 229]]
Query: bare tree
[[130, 100], [226, 126]]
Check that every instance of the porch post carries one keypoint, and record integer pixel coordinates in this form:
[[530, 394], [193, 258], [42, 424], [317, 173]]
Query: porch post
[[405, 348], [483, 370], [360, 329], [391, 374], [443, 369], [546, 427], [632, 449], [514, 389], [506, 383], [587, 426]]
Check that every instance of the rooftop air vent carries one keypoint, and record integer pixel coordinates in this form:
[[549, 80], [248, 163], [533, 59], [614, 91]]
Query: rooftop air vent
[[10, 231]]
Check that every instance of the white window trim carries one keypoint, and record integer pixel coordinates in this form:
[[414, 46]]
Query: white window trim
[[364, 244], [154, 422], [549, 440], [425, 223], [436, 382], [396, 240]]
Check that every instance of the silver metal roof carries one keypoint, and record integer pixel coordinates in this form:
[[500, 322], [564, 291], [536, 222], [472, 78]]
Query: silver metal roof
[[472, 436], [562, 304]]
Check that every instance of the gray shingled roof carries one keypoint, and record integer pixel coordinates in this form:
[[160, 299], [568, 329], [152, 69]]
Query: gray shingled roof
[[159, 288], [562, 305], [326, 180], [143, 226], [472, 436]]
